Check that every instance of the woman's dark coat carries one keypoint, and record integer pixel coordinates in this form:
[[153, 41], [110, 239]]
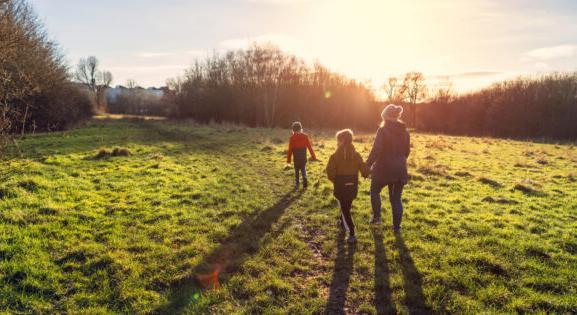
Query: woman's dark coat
[[388, 158]]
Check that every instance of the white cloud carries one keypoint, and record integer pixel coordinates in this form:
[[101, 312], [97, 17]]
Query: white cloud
[[146, 68], [147, 54], [279, 1], [196, 53], [553, 52], [146, 75], [541, 66], [179, 53], [283, 41]]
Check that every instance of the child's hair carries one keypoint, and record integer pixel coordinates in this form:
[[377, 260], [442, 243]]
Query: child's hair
[[345, 135], [297, 126]]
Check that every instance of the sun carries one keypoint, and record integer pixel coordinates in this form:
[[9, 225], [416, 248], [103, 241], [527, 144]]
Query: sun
[[371, 39]]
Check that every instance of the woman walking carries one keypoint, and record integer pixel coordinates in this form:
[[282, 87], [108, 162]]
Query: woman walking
[[388, 162]]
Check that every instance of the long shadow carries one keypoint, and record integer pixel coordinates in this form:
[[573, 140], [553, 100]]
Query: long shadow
[[383, 295], [245, 240], [412, 280], [341, 276]]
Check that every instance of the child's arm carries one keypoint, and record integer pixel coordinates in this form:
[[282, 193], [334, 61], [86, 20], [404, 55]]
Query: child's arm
[[310, 147], [365, 170], [331, 169], [290, 151], [363, 167]]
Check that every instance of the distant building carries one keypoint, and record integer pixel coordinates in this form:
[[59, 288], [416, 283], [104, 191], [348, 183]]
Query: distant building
[[113, 92]]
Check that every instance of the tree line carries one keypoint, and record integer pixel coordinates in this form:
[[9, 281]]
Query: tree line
[[36, 91], [525, 107], [263, 86]]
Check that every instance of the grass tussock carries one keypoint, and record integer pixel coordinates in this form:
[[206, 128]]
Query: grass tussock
[[542, 161], [529, 187], [6, 193], [116, 152], [434, 170], [490, 182], [29, 185], [502, 201]]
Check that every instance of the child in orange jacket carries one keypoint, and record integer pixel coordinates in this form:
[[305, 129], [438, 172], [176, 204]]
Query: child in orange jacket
[[298, 144]]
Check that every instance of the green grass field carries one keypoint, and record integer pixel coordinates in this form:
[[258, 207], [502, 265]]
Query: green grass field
[[490, 226]]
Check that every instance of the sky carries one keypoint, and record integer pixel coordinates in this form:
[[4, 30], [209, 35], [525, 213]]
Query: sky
[[470, 43]]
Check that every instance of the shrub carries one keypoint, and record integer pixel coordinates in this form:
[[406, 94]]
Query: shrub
[[35, 89]]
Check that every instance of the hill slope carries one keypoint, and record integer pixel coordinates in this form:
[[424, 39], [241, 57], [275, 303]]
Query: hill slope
[[489, 225]]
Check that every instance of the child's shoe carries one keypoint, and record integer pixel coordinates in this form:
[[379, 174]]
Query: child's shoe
[[376, 221]]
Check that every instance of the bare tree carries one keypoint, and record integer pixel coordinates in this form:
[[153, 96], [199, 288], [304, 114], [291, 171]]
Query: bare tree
[[414, 90], [444, 91], [391, 87], [131, 84], [88, 73], [104, 79]]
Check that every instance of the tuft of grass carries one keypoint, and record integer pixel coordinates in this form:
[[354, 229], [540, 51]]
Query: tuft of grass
[[529, 187], [120, 152], [28, 185], [537, 252], [102, 153], [433, 170], [542, 161], [490, 182], [116, 152], [502, 201], [6, 193]]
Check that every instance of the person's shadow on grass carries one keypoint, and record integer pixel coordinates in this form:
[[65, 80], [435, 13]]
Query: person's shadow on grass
[[341, 276], [244, 241], [383, 297], [412, 280]]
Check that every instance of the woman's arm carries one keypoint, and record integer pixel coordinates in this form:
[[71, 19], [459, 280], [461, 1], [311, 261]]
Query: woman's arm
[[377, 148], [408, 144]]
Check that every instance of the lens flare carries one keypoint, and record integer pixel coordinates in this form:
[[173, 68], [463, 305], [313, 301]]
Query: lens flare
[[210, 280]]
